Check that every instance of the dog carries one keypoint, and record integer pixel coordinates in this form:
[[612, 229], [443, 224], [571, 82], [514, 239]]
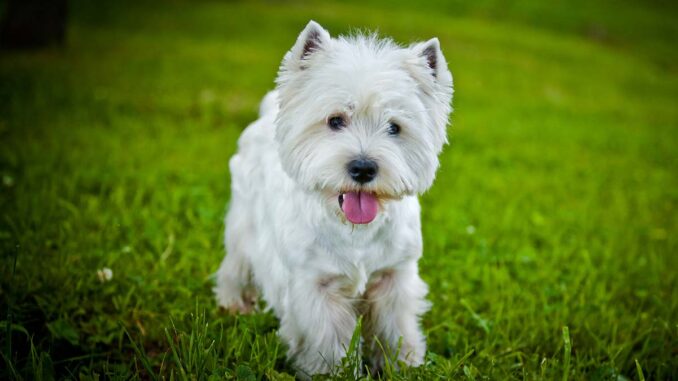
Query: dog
[[324, 220]]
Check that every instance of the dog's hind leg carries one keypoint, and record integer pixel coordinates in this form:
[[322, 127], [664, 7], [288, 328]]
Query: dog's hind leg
[[234, 290]]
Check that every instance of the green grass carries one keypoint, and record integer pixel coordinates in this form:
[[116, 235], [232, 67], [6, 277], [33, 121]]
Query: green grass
[[551, 239]]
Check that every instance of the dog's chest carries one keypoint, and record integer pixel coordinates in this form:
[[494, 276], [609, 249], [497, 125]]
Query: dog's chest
[[356, 280], [351, 269], [352, 282]]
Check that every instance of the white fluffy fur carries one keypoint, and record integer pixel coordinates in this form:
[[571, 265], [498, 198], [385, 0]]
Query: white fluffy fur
[[286, 236]]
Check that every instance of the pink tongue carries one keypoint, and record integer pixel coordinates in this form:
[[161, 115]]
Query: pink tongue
[[360, 207]]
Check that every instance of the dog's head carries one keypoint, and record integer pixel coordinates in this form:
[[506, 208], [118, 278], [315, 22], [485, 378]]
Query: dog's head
[[362, 120]]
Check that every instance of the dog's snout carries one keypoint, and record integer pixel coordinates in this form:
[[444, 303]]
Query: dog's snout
[[363, 170]]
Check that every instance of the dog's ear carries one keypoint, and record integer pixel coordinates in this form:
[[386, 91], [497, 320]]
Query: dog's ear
[[428, 64], [430, 51], [312, 39]]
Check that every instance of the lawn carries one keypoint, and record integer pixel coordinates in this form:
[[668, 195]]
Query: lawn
[[550, 235]]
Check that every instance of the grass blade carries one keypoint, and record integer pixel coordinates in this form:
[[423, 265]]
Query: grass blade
[[567, 348], [141, 354], [639, 369]]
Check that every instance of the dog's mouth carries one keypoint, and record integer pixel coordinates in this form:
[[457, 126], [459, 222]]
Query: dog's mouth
[[359, 207]]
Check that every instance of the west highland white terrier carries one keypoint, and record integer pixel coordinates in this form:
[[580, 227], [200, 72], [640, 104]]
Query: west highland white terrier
[[324, 217]]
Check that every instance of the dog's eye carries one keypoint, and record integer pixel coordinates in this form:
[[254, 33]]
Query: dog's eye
[[336, 122], [393, 129]]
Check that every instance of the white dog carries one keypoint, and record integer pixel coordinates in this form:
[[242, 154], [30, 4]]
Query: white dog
[[324, 217]]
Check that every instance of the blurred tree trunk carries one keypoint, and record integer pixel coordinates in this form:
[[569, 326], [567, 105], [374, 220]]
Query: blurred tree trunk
[[31, 24]]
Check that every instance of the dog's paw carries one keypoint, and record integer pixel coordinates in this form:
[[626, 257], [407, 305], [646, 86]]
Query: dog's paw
[[242, 304], [239, 308]]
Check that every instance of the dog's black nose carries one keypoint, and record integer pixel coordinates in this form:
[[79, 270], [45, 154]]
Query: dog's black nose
[[362, 170]]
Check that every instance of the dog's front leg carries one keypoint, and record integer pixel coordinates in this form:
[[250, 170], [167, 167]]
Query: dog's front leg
[[395, 303], [318, 323]]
